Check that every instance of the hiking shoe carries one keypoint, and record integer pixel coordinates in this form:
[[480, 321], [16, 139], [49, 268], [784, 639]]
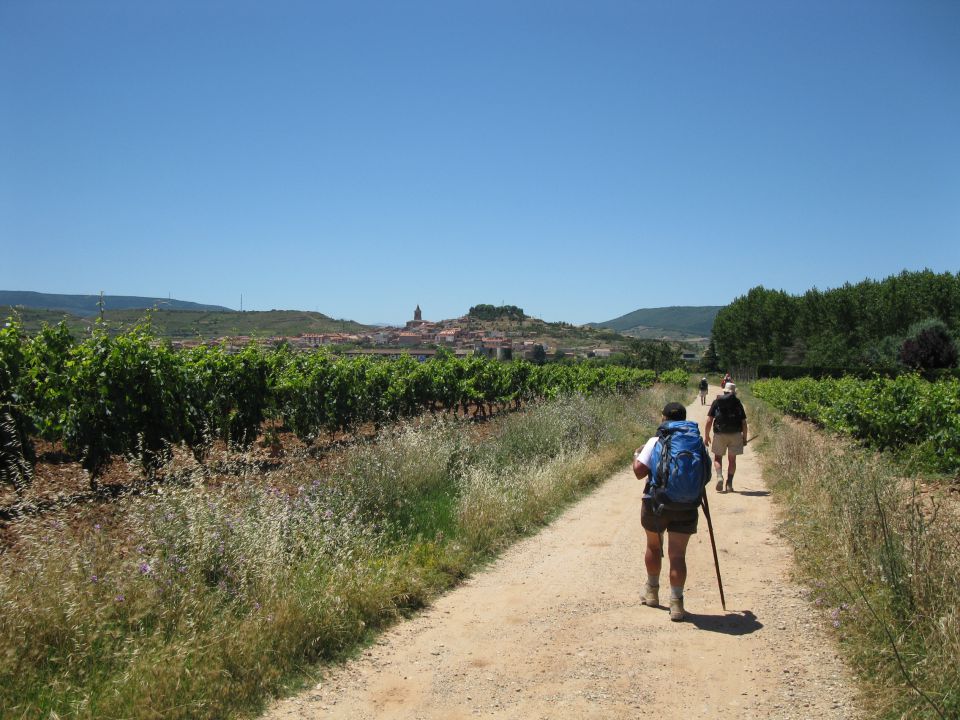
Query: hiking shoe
[[720, 485], [651, 596], [729, 486], [676, 609]]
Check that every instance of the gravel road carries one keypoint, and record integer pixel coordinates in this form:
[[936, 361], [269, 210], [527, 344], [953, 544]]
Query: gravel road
[[555, 629]]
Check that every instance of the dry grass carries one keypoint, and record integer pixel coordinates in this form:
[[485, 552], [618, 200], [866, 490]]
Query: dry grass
[[202, 601], [882, 559]]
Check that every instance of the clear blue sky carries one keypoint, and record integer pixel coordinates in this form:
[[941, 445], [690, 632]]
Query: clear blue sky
[[578, 159]]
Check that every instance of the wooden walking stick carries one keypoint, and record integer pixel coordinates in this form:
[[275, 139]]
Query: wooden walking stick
[[713, 544]]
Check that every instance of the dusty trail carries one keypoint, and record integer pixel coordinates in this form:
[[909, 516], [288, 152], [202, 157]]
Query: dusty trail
[[555, 629]]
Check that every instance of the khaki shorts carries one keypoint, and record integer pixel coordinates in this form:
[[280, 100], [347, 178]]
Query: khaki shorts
[[727, 443]]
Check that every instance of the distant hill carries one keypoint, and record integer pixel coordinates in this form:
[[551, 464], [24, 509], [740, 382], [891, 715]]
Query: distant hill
[[555, 334], [86, 305], [182, 324], [676, 322]]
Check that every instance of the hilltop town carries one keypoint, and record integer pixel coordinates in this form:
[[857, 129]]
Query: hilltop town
[[501, 332], [521, 337]]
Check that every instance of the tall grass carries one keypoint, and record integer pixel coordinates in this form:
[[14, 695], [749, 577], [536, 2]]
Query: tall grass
[[201, 602], [882, 554]]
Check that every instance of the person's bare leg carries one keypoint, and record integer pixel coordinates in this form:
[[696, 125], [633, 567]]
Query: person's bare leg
[[718, 471], [653, 557], [677, 551], [653, 560], [731, 469]]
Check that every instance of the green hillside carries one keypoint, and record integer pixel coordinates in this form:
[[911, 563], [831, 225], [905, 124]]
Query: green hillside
[[180, 324], [554, 334], [675, 322], [88, 305]]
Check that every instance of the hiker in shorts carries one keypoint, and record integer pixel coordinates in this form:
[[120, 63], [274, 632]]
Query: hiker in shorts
[[679, 524], [728, 420], [703, 390]]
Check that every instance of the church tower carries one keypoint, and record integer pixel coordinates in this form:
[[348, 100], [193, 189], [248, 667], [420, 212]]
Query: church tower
[[417, 315]]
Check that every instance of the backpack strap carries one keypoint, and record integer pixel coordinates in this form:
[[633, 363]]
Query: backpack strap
[[663, 463]]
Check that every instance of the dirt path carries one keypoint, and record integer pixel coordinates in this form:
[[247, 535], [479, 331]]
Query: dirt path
[[555, 629]]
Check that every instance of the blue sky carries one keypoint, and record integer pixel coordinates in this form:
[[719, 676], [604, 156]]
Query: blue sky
[[578, 159]]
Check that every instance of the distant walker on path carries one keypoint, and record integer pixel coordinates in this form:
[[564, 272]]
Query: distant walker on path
[[703, 390], [728, 420]]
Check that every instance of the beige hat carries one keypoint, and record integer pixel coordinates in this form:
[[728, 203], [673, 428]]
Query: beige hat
[[729, 388]]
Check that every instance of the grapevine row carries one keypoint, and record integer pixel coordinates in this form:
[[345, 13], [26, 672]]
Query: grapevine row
[[885, 412], [132, 395]]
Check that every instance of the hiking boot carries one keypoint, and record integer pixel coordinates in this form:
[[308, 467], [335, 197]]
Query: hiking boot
[[729, 486], [720, 485], [651, 596], [676, 609]]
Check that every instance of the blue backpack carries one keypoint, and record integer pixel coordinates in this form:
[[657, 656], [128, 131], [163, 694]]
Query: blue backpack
[[679, 467]]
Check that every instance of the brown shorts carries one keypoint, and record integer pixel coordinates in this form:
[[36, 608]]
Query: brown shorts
[[727, 443], [678, 521]]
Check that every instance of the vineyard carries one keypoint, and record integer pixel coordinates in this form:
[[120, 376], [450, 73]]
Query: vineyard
[[130, 395], [200, 598], [907, 412]]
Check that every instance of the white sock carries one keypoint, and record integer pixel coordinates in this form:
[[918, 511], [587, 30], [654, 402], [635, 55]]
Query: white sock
[[653, 580], [676, 592]]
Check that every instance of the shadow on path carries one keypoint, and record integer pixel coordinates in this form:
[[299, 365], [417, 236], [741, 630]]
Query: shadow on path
[[741, 623], [752, 493]]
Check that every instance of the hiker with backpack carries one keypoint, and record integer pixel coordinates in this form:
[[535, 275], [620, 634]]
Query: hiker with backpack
[[703, 390], [677, 467], [728, 421]]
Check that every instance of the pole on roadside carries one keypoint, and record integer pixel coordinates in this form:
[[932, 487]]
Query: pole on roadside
[[713, 545]]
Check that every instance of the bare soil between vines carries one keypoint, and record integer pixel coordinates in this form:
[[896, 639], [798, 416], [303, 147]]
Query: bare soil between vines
[[60, 489]]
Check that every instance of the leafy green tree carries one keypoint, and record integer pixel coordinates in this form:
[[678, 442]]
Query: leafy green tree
[[754, 328], [655, 355], [539, 354], [929, 348], [710, 362], [849, 326], [496, 312]]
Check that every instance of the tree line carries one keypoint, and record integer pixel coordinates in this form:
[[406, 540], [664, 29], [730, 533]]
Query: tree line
[[485, 311], [909, 320]]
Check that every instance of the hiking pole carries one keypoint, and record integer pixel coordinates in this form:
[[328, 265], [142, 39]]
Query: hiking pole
[[713, 544]]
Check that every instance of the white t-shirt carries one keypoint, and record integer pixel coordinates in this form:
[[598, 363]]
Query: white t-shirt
[[647, 451]]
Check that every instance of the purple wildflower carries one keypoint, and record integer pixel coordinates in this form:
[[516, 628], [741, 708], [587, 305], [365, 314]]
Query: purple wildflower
[[145, 568], [119, 598], [94, 578]]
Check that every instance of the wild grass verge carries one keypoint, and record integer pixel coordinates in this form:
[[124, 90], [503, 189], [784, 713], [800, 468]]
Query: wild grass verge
[[202, 602], [881, 552]]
